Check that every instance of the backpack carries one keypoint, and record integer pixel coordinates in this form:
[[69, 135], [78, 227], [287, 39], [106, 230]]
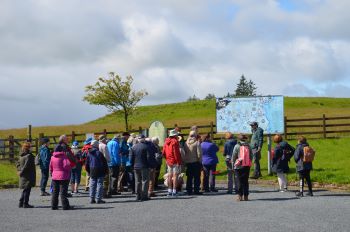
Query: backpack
[[288, 152], [244, 157], [309, 154]]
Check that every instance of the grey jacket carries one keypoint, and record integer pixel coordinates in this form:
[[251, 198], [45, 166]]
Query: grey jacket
[[257, 139], [26, 170], [193, 151], [298, 157]]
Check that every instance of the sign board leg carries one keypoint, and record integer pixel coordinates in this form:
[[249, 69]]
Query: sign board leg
[[269, 154]]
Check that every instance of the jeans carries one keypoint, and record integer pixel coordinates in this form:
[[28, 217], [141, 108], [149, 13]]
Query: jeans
[[122, 178], [60, 187], [193, 174], [44, 179], [131, 178], [25, 196], [242, 181], [113, 179], [305, 175], [257, 157], [209, 177], [96, 188], [141, 183]]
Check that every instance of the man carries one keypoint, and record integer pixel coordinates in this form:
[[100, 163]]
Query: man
[[85, 151], [114, 165], [256, 144], [228, 150], [139, 156], [124, 153], [171, 152], [45, 157], [104, 150]]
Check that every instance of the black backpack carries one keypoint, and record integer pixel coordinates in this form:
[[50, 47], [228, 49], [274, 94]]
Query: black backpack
[[288, 152]]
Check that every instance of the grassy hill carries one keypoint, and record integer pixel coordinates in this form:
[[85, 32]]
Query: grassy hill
[[189, 113]]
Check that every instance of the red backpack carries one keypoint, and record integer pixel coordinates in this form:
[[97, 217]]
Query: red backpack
[[244, 157]]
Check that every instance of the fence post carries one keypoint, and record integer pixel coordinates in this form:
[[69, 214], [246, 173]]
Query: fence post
[[29, 133], [140, 130], [285, 128], [11, 147], [211, 130], [104, 132], [73, 136], [37, 146], [324, 127]]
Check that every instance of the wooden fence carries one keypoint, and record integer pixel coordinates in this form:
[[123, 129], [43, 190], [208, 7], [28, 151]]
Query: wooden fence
[[323, 127]]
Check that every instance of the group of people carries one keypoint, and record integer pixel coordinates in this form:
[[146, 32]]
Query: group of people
[[130, 162]]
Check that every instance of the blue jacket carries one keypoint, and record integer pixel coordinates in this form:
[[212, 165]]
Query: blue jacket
[[96, 164], [209, 156], [228, 148], [298, 157], [45, 157], [124, 152], [113, 148]]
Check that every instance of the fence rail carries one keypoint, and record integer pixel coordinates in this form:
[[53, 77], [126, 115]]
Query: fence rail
[[323, 127]]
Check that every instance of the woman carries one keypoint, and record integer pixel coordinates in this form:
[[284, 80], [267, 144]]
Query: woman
[[26, 172], [303, 168], [76, 171], [228, 149], [60, 169], [159, 158], [242, 157], [193, 159], [280, 162], [209, 162]]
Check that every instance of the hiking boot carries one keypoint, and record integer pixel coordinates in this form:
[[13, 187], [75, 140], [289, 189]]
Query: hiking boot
[[100, 202], [69, 208], [239, 198], [28, 206], [310, 194], [246, 198], [198, 193], [44, 194], [20, 205], [92, 201], [229, 192], [214, 190], [299, 194], [54, 208], [169, 194]]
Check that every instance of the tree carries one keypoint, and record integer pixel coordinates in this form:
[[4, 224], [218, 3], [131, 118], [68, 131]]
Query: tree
[[245, 87], [115, 94], [210, 97], [194, 98]]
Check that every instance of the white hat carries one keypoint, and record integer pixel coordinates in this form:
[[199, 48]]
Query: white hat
[[173, 133]]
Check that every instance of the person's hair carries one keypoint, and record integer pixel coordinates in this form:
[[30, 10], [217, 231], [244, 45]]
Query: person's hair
[[228, 135], [194, 128], [26, 146], [205, 137], [277, 138], [62, 137], [302, 139], [242, 137], [155, 140]]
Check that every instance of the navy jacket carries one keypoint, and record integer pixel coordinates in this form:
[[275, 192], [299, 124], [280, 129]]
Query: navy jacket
[[139, 156], [228, 148], [96, 164], [298, 157], [152, 161], [279, 161]]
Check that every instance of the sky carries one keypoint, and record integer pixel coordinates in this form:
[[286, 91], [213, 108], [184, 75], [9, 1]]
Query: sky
[[51, 49]]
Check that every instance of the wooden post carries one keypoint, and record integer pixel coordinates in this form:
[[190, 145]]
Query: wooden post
[[11, 147], [37, 146], [73, 136], [29, 133], [140, 130], [285, 128], [104, 132], [211, 130], [324, 127]]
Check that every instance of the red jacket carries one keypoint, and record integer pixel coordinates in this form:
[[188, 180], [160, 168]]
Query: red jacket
[[171, 151]]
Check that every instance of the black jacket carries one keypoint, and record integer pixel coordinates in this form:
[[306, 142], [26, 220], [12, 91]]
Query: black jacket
[[139, 156], [280, 162], [96, 164]]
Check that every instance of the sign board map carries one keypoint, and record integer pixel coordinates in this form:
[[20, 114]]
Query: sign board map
[[157, 129], [235, 114]]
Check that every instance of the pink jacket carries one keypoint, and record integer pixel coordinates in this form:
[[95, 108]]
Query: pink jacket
[[60, 166]]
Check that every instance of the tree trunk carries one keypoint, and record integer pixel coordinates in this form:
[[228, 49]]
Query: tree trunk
[[126, 121]]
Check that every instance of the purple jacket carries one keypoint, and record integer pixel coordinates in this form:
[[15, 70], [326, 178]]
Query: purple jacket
[[60, 166], [209, 156]]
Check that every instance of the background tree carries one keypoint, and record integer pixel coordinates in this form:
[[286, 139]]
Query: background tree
[[115, 94], [245, 87], [194, 98], [210, 97]]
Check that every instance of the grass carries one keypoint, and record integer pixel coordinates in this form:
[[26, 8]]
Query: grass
[[8, 174]]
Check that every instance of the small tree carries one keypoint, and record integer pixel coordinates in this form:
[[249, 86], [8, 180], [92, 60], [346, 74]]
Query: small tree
[[245, 87], [115, 94], [210, 97], [194, 98]]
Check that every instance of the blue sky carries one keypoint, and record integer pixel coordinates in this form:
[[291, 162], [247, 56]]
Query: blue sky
[[173, 49]]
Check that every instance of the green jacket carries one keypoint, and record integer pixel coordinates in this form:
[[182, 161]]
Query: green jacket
[[257, 139], [26, 169]]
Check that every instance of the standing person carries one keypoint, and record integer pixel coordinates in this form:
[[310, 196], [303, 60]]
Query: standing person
[[76, 171], [113, 165], [228, 150], [152, 164], [193, 160], [26, 173], [96, 166], [159, 159], [283, 152], [129, 169], [44, 162], [256, 144], [171, 152], [209, 162], [124, 154], [85, 150], [104, 150], [60, 169], [139, 156], [242, 160], [303, 168]]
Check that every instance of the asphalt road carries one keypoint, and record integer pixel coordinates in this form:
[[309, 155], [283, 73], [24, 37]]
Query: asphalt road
[[267, 210]]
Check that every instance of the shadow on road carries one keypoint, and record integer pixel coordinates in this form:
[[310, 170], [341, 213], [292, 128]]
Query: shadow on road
[[276, 199]]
